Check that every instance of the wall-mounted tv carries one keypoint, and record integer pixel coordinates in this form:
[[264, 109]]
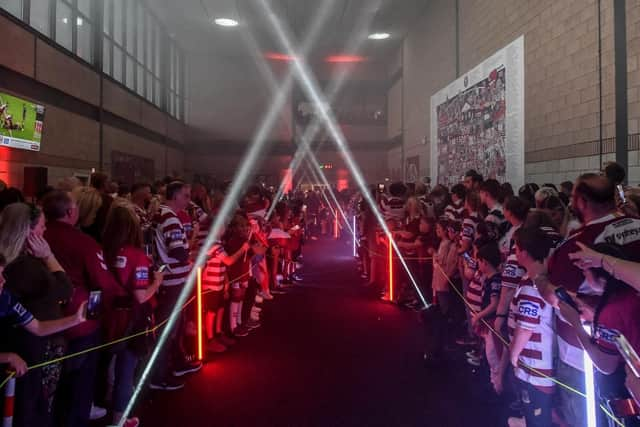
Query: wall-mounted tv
[[21, 123]]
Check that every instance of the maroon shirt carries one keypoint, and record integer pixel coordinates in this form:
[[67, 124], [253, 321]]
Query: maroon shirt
[[618, 229], [82, 259]]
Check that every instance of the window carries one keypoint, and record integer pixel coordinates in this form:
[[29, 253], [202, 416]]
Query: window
[[135, 37], [136, 48], [40, 17], [14, 7]]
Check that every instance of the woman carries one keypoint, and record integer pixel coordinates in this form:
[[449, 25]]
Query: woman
[[38, 281], [126, 258], [616, 312], [89, 202]]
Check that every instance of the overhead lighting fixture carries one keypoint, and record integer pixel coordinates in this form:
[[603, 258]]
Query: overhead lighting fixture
[[79, 22], [379, 36], [275, 56], [65, 20], [226, 22], [345, 58]]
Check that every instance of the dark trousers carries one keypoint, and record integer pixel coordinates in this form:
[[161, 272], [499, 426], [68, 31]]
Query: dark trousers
[[536, 405], [171, 353], [76, 388]]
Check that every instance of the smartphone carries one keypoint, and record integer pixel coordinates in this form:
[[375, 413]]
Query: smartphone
[[94, 304], [162, 268], [621, 193], [629, 354], [564, 296], [381, 188]]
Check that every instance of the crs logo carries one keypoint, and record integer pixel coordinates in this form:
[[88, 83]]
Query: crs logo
[[528, 308]]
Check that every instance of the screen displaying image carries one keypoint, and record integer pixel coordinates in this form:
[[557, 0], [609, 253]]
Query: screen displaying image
[[21, 123]]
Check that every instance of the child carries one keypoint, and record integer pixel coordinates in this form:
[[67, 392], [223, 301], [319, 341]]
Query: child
[[213, 283]]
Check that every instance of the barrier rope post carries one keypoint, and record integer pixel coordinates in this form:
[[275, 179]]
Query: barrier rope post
[[390, 250], [9, 400], [199, 313]]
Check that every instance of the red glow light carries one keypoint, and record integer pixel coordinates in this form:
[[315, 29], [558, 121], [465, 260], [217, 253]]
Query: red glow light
[[345, 59], [390, 268], [274, 56], [199, 314]]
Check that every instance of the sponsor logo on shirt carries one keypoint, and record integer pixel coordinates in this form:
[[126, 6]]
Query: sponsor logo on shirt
[[20, 310], [121, 262], [529, 309], [608, 335], [175, 235], [142, 273]]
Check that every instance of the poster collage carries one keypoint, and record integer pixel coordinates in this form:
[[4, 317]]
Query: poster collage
[[471, 131], [477, 121]]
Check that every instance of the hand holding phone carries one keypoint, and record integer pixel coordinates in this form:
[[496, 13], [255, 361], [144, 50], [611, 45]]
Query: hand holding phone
[[94, 304], [564, 296], [162, 268]]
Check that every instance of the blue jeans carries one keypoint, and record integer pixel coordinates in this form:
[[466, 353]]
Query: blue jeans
[[126, 363]]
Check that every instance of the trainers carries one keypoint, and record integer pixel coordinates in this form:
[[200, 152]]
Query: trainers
[[169, 384], [131, 422], [252, 324], [241, 331], [214, 346], [472, 354], [465, 340], [473, 361], [187, 368], [517, 422], [97, 412], [226, 340], [264, 295], [297, 277]]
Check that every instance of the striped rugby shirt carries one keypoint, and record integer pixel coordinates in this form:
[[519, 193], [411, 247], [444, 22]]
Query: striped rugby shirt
[[512, 272], [530, 311], [454, 211], [611, 228], [475, 292], [169, 235], [215, 270], [469, 226]]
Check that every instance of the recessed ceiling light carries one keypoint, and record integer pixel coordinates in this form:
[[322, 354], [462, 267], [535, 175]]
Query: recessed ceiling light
[[379, 36], [79, 22], [226, 22]]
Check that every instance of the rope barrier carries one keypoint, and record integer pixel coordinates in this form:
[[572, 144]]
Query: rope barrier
[[114, 342], [524, 365]]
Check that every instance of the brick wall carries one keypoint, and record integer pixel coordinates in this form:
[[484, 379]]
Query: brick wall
[[561, 74]]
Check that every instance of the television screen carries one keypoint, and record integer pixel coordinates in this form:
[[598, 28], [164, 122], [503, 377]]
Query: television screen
[[21, 123]]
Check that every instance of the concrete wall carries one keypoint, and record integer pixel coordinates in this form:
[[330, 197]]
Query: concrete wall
[[561, 75], [70, 142]]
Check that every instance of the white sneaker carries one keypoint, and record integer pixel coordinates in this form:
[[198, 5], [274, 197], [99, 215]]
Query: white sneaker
[[97, 412], [265, 295], [517, 422]]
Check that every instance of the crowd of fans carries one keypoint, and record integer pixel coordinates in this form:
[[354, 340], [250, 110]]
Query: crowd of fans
[[136, 245], [524, 284]]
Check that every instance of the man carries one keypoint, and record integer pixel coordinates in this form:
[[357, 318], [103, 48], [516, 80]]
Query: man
[[172, 249], [392, 206], [472, 180], [82, 259], [454, 211], [496, 222], [593, 201]]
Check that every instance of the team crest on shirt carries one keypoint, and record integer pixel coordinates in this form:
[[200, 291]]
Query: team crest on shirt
[[605, 334], [121, 262], [529, 308], [175, 235], [142, 274]]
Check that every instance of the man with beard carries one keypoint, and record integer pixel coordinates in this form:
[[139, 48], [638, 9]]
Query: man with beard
[[593, 201]]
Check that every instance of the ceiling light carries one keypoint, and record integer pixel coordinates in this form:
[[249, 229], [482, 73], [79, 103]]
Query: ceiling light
[[79, 21], [65, 20], [379, 36], [345, 58], [226, 22]]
